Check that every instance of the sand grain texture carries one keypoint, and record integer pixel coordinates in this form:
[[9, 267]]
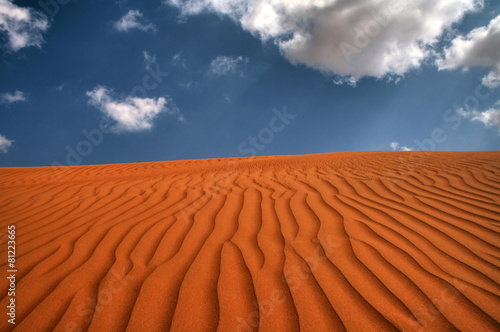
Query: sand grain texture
[[371, 241]]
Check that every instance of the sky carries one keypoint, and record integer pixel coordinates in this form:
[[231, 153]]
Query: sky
[[102, 81]]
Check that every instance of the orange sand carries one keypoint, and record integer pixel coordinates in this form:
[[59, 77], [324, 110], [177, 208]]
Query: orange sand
[[376, 241]]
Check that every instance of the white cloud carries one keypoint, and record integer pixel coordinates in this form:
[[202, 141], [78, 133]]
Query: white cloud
[[133, 20], [132, 114], [489, 117], [22, 26], [351, 39], [178, 60], [492, 80], [12, 97], [224, 65], [349, 80], [481, 47], [149, 59], [5, 144], [395, 146]]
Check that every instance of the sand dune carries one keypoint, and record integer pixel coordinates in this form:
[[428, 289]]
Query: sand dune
[[370, 241]]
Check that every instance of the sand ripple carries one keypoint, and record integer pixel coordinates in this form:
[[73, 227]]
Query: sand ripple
[[336, 242]]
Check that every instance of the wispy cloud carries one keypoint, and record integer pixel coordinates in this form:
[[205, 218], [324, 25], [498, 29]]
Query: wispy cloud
[[5, 144], [351, 39], [131, 114], [481, 47], [22, 27], [178, 60], [489, 118], [12, 97], [149, 59], [395, 146], [59, 88], [224, 65], [133, 20]]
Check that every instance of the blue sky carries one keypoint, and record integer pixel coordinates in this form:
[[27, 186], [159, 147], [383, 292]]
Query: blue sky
[[99, 82]]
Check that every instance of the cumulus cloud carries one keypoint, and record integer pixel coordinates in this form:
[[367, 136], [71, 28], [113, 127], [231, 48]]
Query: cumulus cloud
[[395, 146], [224, 65], [133, 20], [481, 47], [12, 97], [489, 118], [351, 39], [23, 27], [131, 114], [5, 144], [492, 80]]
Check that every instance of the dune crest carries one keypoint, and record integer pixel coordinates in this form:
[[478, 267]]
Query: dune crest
[[375, 241]]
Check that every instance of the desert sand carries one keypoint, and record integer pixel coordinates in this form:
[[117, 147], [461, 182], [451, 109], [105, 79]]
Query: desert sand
[[375, 241]]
